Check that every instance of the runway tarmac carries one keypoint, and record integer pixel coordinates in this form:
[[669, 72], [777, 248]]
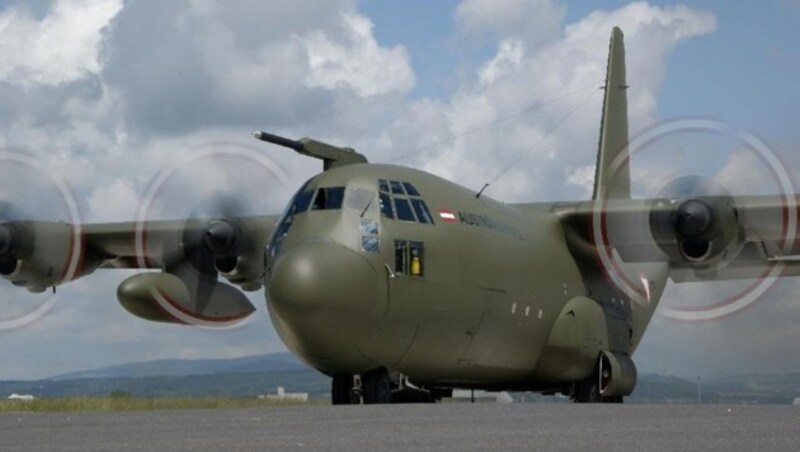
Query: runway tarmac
[[451, 426]]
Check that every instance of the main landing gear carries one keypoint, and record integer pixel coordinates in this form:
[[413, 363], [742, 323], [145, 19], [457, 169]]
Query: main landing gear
[[590, 390], [378, 386]]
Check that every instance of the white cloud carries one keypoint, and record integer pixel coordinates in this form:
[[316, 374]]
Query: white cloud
[[744, 172], [515, 81], [114, 202], [200, 65], [59, 48], [583, 177], [509, 55], [533, 20], [173, 80], [360, 63]]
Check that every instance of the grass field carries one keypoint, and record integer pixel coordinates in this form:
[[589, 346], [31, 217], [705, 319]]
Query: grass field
[[129, 403]]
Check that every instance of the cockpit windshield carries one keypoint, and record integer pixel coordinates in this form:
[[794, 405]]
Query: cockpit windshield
[[402, 201], [328, 198], [322, 198], [298, 204]]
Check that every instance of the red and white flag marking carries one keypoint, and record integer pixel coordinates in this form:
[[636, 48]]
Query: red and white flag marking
[[447, 216]]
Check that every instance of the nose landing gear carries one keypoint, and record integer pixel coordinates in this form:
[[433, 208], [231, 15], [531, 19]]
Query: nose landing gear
[[343, 390], [379, 386]]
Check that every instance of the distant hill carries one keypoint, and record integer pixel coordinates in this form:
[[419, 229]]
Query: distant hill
[[231, 385], [276, 362], [253, 375], [238, 377], [722, 389]]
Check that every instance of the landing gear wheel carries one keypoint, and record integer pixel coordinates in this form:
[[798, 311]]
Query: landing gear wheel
[[376, 387], [587, 391], [341, 390]]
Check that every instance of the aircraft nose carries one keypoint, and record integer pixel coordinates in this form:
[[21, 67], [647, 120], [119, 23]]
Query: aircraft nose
[[322, 298]]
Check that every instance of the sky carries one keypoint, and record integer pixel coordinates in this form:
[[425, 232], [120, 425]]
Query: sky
[[103, 95]]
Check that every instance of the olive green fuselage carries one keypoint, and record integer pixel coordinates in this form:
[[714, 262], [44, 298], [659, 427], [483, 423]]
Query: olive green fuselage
[[468, 300]]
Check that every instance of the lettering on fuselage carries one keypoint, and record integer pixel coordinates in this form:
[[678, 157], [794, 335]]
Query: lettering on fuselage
[[487, 222]]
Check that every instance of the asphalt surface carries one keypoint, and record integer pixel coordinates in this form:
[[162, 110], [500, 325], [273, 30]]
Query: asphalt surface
[[451, 426]]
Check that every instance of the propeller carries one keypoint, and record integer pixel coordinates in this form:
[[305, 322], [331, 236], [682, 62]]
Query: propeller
[[10, 212], [220, 237], [212, 235], [207, 243], [15, 236], [18, 225], [697, 214], [9, 246], [36, 246], [693, 218], [6, 239], [695, 228], [213, 193]]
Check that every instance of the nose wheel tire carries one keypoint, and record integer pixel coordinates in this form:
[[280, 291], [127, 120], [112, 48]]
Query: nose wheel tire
[[342, 390], [376, 387]]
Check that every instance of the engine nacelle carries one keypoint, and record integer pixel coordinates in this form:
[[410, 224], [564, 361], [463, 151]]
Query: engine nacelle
[[164, 297], [699, 230], [246, 271], [238, 248], [39, 254]]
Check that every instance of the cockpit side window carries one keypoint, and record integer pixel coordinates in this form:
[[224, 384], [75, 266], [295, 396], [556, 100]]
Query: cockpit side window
[[328, 198], [361, 200]]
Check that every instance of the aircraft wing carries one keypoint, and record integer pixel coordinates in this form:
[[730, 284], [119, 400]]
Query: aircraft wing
[[147, 244], [701, 238], [191, 255], [131, 245]]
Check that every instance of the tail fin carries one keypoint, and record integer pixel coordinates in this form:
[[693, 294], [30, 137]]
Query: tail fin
[[612, 174]]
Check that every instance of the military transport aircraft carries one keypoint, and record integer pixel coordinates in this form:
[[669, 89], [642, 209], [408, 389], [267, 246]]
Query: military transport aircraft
[[402, 286]]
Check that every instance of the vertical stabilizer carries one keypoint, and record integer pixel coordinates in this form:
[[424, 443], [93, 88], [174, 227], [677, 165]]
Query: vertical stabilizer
[[612, 175]]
